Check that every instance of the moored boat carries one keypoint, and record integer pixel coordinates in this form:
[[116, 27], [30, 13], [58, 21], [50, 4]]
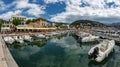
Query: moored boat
[[40, 36], [89, 38], [55, 33], [19, 39], [102, 50], [27, 38], [8, 39]]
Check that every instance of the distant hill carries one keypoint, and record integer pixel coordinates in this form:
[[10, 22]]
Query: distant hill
[[82, 23]]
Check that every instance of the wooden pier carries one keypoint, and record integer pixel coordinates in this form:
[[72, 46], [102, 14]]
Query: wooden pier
[[6, 59]]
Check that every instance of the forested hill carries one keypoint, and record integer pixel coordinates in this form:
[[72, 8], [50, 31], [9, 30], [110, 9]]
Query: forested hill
[[82, 23]]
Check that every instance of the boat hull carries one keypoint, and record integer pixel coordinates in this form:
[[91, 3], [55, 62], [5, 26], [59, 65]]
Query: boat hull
[[102, 55]]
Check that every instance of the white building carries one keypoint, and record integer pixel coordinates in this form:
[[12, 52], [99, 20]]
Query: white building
[[7, 27], [18, 16]]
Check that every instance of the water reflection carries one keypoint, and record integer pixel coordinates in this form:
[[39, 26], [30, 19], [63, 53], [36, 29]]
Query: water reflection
[[62, 51]]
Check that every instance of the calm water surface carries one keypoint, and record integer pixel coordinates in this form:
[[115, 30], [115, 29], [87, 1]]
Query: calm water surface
[[59, 52]]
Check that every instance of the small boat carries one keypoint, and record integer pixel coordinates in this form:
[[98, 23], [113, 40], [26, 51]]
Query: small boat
[[27, 38], [89, 38], [19, 39], [55, 33], [9, 40], [102, 50], [40, 36], [83, 34]]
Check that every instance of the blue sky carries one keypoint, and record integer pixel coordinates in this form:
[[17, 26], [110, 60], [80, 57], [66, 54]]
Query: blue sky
[[106, 11]]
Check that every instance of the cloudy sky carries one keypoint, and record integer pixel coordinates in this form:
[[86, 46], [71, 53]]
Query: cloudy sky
[[106, 11]]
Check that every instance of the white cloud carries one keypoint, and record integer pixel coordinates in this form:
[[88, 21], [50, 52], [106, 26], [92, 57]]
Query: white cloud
[[117, 2], [33, 9], [30, 18], [8, 15], [21, 4], [73, 10], [53, 1], [2, 5], [110, 0], [91, 8]]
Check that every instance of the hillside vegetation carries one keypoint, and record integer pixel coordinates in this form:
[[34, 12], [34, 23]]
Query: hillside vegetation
[[83, 23]]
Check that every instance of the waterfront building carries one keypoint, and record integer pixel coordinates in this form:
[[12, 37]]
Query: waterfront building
[[53, 24], [18, 16], [28, 28], [43, 23], [40, 23], [34, 24], [7, 27]]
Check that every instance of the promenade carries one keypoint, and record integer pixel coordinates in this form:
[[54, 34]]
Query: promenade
[[27, 33], [6, 59]]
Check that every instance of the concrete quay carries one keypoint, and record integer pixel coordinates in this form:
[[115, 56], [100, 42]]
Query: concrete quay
[[6, 59]]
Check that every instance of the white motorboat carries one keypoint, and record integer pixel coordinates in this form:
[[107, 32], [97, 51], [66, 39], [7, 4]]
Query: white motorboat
[[55, 33], [89, 38], [9, 40], [27, 38], [19, 39], [83, 34], [40, 36], [102, 50]]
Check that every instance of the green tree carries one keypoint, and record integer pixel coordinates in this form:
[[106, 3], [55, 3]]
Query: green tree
[[16, 21], [33, 20], [30, 20], [1, 21]]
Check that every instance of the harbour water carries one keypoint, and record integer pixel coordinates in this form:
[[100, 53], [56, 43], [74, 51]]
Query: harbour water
[[62, 51]]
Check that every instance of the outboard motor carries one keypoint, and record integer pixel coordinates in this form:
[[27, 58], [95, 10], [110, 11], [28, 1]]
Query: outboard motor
[[79, 39], [94, 54]]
